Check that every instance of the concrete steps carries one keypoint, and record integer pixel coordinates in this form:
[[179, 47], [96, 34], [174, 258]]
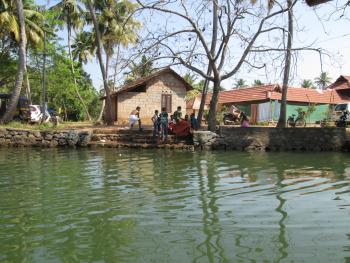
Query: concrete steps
[[113, 137]]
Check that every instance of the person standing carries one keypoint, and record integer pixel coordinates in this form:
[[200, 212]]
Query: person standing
[[155, 125], [164, 123], [177, 114]]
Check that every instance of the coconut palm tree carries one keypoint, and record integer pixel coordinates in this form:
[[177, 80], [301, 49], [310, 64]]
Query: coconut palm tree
[[83, 46], [116, 28], [115, 25], [307, 83], [33, 27], [323, 80], [109, 114], [71, 13], [141, 69], [258, 82], [21, 63], [240, 83]]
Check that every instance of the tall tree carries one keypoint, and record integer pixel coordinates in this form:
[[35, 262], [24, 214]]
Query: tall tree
[[283, 112], [21, 64], [109, 113], [71, 13], [202, 43], [116, 25], [323, 80], [33, 28], [307, 83]]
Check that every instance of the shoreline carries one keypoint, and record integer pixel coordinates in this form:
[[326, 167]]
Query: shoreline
[[226, 138]]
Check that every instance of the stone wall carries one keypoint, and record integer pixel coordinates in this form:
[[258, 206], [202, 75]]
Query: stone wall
[[273, 139], [150, 100], [15, 137]]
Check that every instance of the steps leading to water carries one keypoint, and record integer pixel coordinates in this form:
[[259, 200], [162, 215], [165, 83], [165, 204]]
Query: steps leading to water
[[122, 138]]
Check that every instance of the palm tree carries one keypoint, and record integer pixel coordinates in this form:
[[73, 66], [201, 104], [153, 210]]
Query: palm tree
[[116, 26], [71, 13], [307, 83], [240, 83], [83, 47], [140, 70], [323, 80], [33, 28], [197, 87], [109, 114], [21, 63], [258, 82]]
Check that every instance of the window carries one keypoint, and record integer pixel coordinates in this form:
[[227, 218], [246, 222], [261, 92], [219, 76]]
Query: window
[[166, 102]]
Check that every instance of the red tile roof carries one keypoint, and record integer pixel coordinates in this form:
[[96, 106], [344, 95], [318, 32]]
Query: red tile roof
[[343, 82], [311, 96], [257, 93]]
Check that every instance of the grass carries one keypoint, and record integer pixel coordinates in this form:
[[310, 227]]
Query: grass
[[46, 126]]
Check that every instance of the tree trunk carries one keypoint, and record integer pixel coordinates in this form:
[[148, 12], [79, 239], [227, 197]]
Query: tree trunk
[[102, 110], [213, 104], [109, 114], [27, 87], [73, 71], [283, 112], [209, 71], [21, 65]]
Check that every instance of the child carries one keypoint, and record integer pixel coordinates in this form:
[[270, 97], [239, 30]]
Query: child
[[244, 120], [155, 124], [194, 122], [164, 123]]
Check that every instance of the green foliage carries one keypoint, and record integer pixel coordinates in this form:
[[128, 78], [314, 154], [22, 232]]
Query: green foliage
[[323, 80], [140, 70], [240, 83], [307, 83], [258, 82], [197, 86], [60, 88]]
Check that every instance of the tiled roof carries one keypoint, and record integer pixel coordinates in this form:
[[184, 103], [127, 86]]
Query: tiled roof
[[311, 96], [257, 93], [343, 82], [141, 81], [273, 92]]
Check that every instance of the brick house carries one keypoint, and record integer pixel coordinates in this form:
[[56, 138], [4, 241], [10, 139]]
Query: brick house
[[164, 88]]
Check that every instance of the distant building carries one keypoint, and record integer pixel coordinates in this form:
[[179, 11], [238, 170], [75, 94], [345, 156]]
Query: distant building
[[262, 103], [164, 88]]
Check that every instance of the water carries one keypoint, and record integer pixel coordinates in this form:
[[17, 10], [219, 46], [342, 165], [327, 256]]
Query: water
[[107, 205]]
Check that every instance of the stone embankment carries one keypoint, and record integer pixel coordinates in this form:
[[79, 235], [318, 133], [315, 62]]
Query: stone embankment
[[116, 138], [226, 138], [274, 139], [15, 137]]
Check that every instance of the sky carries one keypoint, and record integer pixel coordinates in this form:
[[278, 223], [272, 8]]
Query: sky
[[315, 25]]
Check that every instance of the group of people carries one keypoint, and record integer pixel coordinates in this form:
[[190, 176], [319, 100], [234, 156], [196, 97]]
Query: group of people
[[163, 123]]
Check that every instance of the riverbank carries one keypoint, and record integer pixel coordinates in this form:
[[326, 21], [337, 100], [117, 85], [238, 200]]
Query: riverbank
[[226, 138]]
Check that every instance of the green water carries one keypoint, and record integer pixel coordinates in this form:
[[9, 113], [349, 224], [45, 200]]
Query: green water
[[107, 205]]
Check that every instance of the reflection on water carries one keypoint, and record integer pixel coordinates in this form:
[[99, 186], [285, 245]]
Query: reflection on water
[[110, 205]]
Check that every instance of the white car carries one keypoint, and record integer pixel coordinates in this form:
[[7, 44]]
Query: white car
[[36, 115]]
